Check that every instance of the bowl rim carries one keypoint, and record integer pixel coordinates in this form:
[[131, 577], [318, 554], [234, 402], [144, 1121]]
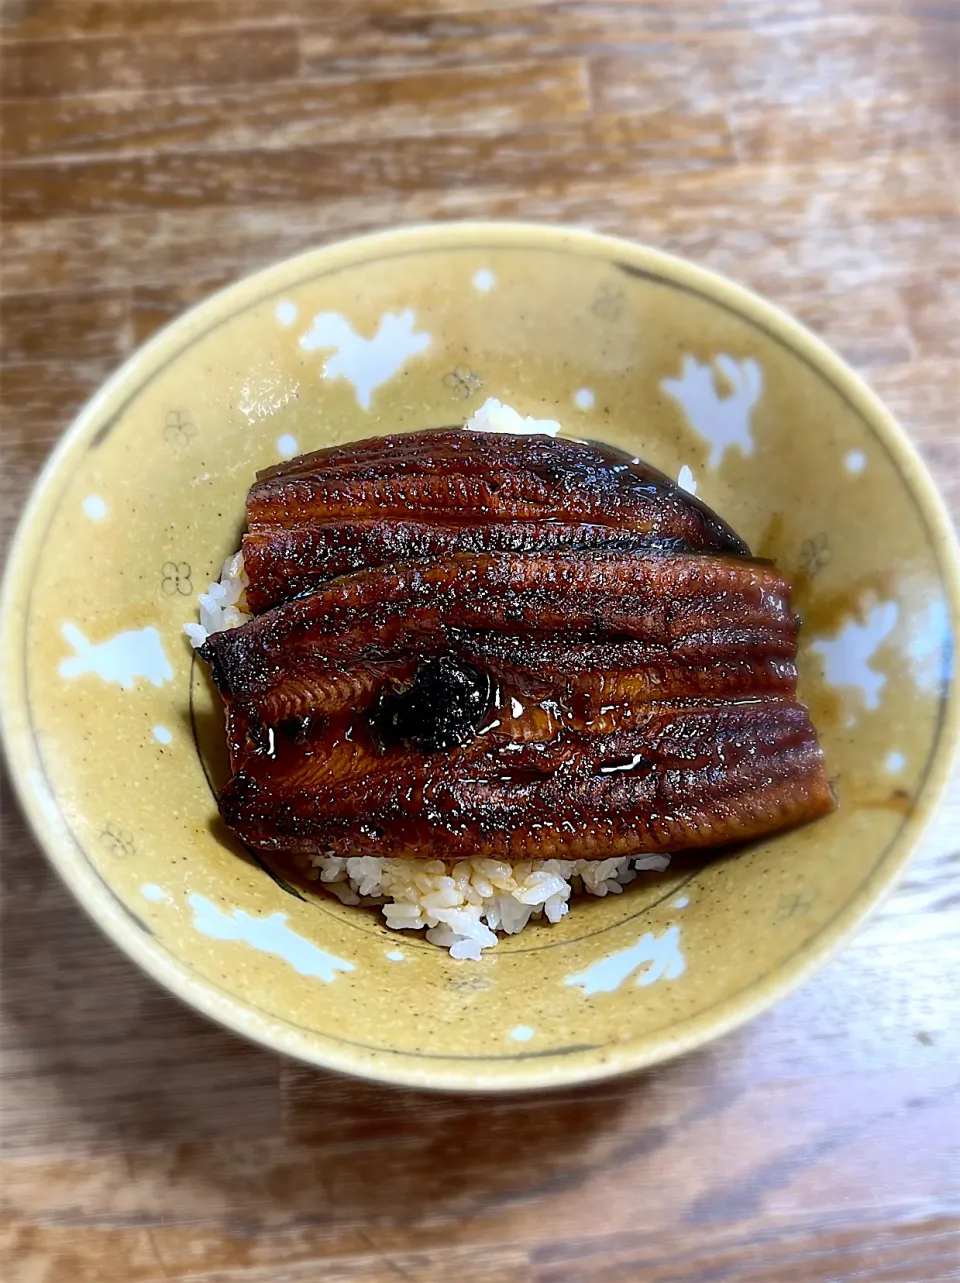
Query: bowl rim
[[452, 1073]]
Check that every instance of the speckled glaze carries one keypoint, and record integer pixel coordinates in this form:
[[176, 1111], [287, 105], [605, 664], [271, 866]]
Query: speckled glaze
[[113, 733]]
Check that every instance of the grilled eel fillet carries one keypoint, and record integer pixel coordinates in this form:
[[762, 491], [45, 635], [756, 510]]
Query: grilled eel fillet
[[521, 648], [427, 495]]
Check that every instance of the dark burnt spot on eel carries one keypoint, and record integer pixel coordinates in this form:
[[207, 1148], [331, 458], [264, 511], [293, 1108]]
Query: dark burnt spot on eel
[[442, 708]]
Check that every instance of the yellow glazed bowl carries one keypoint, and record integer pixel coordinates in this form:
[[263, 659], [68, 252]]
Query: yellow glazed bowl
[[114, 737]]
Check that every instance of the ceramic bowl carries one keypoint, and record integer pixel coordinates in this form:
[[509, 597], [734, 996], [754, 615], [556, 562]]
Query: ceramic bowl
[[114, 736]]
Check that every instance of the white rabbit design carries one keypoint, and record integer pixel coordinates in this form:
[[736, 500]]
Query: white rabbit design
[[121, 659], [365, 362], [846, 657], [724, 421], [662, 953]]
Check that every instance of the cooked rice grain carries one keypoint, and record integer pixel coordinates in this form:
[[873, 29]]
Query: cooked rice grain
[[223, 605], [463, 905]]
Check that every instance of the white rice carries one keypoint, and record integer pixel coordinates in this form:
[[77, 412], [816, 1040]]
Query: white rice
[[223, 605], [460, 905], [493, 416], [464, 904]]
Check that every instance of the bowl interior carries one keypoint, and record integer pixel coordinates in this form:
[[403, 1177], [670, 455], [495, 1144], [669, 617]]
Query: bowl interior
[[115, 735]]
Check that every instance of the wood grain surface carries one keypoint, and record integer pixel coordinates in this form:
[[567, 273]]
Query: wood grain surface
[[156, 149]]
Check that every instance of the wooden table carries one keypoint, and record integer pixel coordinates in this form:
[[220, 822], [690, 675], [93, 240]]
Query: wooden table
[[156, 149]]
